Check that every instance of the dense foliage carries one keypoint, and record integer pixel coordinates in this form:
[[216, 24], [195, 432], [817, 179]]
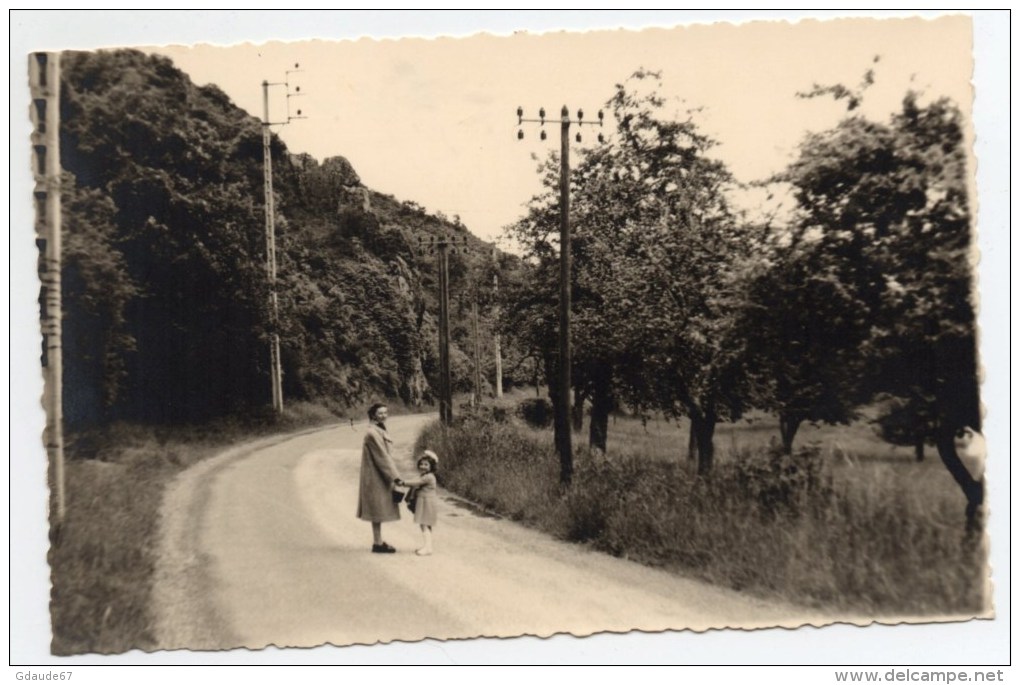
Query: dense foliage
[[884, 210], [682, 306], [166, 295], [861, 537], [656, 251]]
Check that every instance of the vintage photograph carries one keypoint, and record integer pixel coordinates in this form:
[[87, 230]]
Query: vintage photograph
[[352, 342]]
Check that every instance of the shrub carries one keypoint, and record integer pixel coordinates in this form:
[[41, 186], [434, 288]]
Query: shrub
[[536, 412], [783, 483]]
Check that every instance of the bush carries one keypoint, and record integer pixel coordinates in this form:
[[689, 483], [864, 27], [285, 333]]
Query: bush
[[781, 483], [536, 412]]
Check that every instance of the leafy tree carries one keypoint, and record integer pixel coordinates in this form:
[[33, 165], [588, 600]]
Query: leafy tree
[[888, 205], [655, 250], [530, 300], [528, 322], [928, 307], [181, 174], [683, 255], [96, 290], [808, 334]]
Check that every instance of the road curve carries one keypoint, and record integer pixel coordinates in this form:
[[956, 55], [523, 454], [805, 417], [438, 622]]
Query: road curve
[[260, 546]]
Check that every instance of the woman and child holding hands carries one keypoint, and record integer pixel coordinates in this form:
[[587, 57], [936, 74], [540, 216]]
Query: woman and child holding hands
[[378, 498]]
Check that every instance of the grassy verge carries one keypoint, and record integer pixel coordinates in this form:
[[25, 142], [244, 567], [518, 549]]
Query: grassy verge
[[103, 561], [859, 529]]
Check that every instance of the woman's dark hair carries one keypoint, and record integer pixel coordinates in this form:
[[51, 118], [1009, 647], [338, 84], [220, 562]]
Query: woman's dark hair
[[373, 409]]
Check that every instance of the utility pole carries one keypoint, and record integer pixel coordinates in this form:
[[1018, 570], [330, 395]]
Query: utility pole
[[562, 425], [275, 366], [44, 83], [442, 248], [477, 346], [499, 354]]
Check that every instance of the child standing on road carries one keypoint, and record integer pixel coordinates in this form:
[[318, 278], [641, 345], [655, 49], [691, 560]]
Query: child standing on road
[[426, 498]]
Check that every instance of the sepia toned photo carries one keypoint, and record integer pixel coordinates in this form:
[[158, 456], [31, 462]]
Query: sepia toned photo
[[348, 343]]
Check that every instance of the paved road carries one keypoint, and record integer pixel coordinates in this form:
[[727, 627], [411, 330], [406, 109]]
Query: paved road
[[261, 547]]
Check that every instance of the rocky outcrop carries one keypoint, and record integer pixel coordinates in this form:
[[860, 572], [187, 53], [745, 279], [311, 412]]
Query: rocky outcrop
[[354, 197], [339, 172]]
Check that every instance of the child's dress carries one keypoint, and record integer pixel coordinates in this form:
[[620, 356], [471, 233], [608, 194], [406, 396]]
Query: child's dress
[[425, 506]]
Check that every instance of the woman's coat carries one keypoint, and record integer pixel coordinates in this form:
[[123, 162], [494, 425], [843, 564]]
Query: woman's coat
[[375, 503]]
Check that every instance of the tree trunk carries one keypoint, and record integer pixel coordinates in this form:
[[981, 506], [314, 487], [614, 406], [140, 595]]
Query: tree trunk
[[919, 447], [577, 412], [549, 377], [692, 443], [537, 393], [703, 425], [601, 405], [788, 425], [973, 490]]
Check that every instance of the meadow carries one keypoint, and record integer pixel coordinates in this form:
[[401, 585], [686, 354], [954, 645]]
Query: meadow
[[847, 523]]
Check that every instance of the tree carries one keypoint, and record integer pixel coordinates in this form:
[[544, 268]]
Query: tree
[[888, 204], [682, 254], [808, 334], [928, 307], [96, 290], [654, 243], [178, 170]]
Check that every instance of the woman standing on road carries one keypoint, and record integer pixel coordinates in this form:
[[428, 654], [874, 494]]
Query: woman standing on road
[[379, 475], [425, 498]]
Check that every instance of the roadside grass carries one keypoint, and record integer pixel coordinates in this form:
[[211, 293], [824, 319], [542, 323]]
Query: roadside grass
[[846, 524], [102, 560]]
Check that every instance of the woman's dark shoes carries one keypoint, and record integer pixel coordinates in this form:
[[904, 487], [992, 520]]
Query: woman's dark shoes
[[383, 549]]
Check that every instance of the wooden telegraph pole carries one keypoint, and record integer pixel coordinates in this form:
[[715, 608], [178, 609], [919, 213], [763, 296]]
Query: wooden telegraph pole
[[442, 248], [499, 354], [562, 405], [275, 369], [445, 384], [562, 411], [275, 366], [44, 83], [477, 350]]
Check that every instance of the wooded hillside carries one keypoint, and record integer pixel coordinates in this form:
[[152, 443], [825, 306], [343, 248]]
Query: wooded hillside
[[167, 304]]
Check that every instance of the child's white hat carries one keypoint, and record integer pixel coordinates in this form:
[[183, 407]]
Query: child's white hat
[[430, 453]]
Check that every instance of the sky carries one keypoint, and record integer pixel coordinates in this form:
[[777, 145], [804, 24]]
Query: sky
[[433, 119], [440, 130]]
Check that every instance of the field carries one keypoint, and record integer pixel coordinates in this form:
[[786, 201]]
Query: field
[[847, 523]]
